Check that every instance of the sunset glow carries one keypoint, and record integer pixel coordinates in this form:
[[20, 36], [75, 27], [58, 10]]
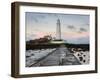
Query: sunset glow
[[74, 27]]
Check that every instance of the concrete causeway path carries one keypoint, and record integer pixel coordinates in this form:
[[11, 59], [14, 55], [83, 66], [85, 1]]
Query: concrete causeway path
[[61, 56]]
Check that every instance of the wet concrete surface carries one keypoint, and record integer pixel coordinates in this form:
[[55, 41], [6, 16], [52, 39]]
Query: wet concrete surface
[[61, 56]]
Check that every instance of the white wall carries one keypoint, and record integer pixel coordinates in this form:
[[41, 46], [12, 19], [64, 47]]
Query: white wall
[[5, 40]]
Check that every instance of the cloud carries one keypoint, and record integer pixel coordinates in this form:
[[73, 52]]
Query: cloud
[[83, 30], [74, 35], [86, 24], [76, 38], [71, 27]]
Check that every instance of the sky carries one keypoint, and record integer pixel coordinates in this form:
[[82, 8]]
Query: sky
[[74, 27]]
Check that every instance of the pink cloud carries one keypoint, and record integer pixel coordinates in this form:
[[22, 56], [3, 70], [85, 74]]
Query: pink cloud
[[42, 34], [75, 35], [65, 35]]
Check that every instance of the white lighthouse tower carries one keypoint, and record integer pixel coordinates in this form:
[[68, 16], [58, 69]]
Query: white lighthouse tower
[[58, 30], [58, 39]]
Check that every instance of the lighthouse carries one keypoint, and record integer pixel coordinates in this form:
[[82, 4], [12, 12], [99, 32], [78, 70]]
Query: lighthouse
[[58, 30], [58, 39]]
